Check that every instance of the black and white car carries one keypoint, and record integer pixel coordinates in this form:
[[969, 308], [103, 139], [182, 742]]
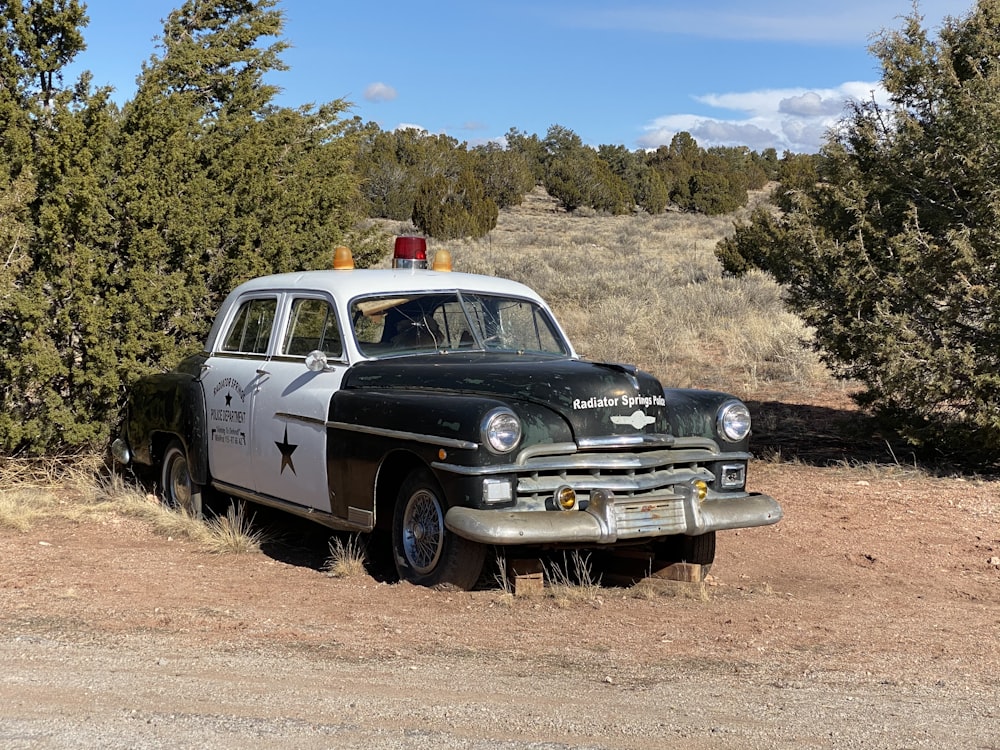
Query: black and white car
[[447, 409]]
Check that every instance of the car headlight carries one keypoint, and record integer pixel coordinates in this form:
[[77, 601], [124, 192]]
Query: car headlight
[[501, 430], [734, 421]]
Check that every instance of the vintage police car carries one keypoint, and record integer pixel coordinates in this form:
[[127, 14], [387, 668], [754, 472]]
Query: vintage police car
[[447, 409]]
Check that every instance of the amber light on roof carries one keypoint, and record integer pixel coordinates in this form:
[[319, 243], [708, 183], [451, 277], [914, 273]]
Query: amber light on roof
[[442, 261], [343, 260]]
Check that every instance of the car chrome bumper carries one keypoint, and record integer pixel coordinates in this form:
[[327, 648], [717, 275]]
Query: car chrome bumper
[[607, 520]]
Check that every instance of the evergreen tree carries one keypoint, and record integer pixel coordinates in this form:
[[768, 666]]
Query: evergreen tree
[[651, 194], [123, 230], [389, 188], [454, 208], [676, 164], [505, 174], [531, 149], [645, 187], [219, 185], [41, 37], [892, 255], [55, 214], [576, 176]]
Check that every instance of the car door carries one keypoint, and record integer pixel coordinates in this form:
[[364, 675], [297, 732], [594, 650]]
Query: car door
[[233, 375], [292, 403]]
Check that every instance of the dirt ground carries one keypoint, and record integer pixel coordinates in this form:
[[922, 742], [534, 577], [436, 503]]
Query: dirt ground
[[869, 617]]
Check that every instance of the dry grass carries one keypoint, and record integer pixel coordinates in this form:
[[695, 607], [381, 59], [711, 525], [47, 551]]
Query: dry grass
[[347, 559], [234, 533], [64, 487], [19, 508], [79, 489], [572, 580], [647, 589]]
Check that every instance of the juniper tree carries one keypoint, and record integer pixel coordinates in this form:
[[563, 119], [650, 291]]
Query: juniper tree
[[505, 174], [122, 230], [218, 184], [892, 255], [56, 228], [451, 208], [576, 176]]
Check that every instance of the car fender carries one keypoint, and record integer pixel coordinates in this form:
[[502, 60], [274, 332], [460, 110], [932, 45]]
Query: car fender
[[367, 427], [163, 406]]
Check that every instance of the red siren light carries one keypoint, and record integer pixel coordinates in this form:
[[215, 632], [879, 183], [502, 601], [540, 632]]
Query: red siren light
[[409, 252]]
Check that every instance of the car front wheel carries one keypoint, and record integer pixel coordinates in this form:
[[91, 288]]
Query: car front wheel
[[425, 552], [176, 488]]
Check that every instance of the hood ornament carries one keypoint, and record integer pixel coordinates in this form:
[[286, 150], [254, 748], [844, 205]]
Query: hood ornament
[[637, 419]]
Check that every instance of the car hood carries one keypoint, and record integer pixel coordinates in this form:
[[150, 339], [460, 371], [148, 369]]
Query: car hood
[[595, 399]]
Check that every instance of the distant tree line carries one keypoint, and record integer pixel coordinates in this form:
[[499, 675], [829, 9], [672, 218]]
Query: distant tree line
[[122, 227], [450, 190]]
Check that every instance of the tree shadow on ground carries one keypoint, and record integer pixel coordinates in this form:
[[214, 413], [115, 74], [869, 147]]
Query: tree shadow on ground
[[823, 435]]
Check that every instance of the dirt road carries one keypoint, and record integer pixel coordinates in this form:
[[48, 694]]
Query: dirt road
[[868, 618]]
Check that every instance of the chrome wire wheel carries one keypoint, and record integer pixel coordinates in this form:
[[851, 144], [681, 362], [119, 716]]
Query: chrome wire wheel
[[426, 553], [423, 531]]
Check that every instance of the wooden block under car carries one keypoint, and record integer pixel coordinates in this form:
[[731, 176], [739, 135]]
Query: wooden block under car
[[685, 572], [527, 575]]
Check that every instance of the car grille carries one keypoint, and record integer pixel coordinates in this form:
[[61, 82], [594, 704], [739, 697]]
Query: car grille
[[646, 484]]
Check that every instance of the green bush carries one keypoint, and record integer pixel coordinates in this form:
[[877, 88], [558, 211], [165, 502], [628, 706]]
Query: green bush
[[452, 209], [124, 228], [891, 252]]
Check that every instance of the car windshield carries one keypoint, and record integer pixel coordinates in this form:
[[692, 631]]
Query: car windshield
[[391, 325]]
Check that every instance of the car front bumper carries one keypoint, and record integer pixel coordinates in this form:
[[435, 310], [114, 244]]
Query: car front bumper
[[608, 519]]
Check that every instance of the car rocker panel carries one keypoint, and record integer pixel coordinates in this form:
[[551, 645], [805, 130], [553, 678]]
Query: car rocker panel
[[435, 404]]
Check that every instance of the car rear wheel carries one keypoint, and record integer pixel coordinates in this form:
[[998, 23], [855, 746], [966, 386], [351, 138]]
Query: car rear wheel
[[425, 552], [176, 488]]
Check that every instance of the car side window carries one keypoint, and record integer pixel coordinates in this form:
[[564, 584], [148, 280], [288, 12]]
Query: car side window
[[312, 325], [250, 331]]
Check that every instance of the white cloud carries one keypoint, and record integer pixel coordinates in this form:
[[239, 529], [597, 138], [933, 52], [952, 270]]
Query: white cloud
[[379, 92], [786, 119], [811, 104]]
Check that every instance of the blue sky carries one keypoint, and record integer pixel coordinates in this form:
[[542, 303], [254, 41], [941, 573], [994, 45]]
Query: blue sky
[[770, 73]]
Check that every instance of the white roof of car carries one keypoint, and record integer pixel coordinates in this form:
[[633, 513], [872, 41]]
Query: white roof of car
[[345, 285]]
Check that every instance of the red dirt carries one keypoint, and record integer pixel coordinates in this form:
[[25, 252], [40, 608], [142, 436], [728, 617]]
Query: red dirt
[[883, 576]]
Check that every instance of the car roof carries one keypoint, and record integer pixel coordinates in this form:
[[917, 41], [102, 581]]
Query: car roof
[[349, 284], [346, 285]]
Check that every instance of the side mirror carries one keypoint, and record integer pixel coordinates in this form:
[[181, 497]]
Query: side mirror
[[316, 361]]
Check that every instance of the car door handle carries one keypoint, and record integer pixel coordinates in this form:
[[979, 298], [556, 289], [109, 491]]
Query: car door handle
[[262, 371]]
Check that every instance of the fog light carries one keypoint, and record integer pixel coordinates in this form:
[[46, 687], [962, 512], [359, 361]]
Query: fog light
[[565, 498], [700, 490]]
